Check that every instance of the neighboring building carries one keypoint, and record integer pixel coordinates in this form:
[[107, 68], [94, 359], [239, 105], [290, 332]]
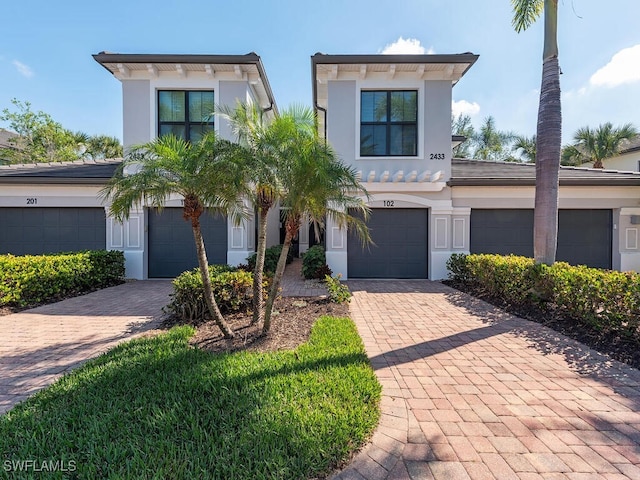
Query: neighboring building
[[389, 116], [5, 143], [627, 160]]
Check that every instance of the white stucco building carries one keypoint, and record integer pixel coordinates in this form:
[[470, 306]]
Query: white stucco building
[[389, 116]]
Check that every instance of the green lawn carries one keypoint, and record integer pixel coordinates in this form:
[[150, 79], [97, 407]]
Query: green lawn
[[159, 408]]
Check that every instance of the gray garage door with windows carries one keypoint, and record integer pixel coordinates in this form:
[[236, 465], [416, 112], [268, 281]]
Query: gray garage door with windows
[[584, 236], [400, 249], [172, 249], [37, 230]]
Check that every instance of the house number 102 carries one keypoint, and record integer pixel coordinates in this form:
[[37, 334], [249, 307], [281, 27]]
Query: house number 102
[[387, 203]]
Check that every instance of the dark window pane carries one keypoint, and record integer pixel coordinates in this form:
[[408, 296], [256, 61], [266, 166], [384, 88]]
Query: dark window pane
[[200, 106], [404, 106], [366, 140], [403, 140], [197, 131], [171, 106], [373, 106], [373, 140], [177, 130]]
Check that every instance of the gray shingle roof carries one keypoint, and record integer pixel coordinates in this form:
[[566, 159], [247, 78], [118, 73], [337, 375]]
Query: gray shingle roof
[[478, 173], [87, 172], [464, 173]]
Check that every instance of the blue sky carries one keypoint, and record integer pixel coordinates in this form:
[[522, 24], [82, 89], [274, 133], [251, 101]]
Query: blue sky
[[46, 48]]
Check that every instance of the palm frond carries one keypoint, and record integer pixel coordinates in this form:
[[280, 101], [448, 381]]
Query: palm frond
[[525, 13]]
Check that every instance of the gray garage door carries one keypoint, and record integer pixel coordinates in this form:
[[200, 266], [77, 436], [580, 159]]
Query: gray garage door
[[37, 230], [171, 246], [401, 245], [584, 236]]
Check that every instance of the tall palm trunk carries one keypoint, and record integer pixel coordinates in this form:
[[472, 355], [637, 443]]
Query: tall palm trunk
[[291, 226], [259, 268], [265, 200], [203, 263], [545, 224]]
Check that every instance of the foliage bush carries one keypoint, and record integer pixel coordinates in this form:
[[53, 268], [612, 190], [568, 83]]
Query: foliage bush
[[338, 292], [271, 256], [601, 299], [34, 279], [232, 290], [314, 263]]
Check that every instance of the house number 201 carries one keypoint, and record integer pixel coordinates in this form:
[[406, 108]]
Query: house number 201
[[32, 201], [387, 203]]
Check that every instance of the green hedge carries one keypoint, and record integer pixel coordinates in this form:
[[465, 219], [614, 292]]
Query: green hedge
[[602, 299], [232, 290], [34, 279]]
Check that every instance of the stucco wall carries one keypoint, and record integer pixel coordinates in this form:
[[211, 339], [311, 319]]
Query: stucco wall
[[136, 107]]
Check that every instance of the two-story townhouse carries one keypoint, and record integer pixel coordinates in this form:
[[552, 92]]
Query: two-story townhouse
[[389, 116], [57, 207]]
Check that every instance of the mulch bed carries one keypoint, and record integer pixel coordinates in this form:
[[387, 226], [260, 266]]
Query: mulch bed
[[291, 324], [622, 348]]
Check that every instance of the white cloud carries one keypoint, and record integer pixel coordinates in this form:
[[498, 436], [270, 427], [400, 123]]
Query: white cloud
[[24, 70], [404, 46], [624, 67], [462, 107]]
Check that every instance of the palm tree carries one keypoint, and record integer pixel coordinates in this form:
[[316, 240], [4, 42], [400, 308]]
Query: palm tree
[[526, 146], [208, 175], [549, 130], [317, 185], [462, 126], [266, 140], [491, 143], [603, 142]]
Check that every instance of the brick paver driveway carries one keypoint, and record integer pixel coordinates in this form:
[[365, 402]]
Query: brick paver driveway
[[472, 392], [41, 344]]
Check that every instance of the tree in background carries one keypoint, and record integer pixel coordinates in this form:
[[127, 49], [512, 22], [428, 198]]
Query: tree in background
[[39, 138], [525, 147], [549, 130], [462, 126], [97, 147], [596, 145], [489, 143]]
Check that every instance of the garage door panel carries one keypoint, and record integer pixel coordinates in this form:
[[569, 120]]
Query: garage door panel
[[171, 245], [39, 230], [401, 246], [584, 235]]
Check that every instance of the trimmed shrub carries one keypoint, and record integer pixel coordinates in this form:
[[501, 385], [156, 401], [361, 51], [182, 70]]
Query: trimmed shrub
[[601, 299], [34, 279], [232, 290], [314, 263], [271, 256]]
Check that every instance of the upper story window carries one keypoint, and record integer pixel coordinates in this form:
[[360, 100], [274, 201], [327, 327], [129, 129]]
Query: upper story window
[[186, 114], [388, 123]]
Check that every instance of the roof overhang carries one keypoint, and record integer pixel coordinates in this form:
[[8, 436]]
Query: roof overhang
[[325, 68], [224, 67]]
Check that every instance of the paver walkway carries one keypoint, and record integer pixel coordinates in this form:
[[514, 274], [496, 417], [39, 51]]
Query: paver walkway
[[472, 392], [294, 285], [41, 344]]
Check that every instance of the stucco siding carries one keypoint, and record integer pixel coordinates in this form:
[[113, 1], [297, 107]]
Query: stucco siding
[[136, 108]]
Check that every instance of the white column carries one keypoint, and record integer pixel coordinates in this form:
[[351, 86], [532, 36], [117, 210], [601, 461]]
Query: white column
[[130, 238]]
